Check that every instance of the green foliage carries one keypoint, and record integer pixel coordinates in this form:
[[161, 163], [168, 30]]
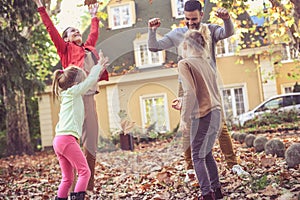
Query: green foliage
[[2, 143], [273, 118], [260, 183], [26, 59]]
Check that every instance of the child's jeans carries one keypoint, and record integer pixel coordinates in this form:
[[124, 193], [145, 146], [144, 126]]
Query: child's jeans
[[204, 132], [71, 157]]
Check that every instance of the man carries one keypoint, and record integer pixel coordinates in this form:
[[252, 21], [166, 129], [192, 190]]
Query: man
[[193, 16]]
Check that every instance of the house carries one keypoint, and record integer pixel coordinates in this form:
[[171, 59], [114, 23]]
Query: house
[[143, 84]]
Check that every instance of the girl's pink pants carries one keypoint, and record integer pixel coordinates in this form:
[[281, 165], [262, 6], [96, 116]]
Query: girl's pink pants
[[71, 157]]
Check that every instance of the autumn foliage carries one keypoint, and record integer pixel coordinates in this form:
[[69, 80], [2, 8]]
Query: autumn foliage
[[155, 171]]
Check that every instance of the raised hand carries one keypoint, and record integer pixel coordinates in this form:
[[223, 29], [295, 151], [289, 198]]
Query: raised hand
[[154, 23], [93, 9], [103, 61], [222, 13], [38, 3]]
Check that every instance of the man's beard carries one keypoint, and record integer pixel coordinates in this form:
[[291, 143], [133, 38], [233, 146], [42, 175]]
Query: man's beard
[[194, 26]]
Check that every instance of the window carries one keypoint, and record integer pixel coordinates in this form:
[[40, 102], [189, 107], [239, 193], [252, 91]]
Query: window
[[121, 15], [289, 53], [145, 58], [154, 110], [287, 88], [227, 47], [234, 101], [274, 104], [178, 8]]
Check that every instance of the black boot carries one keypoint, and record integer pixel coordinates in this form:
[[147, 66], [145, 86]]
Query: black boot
[[56, 198], [73, 195], [80, 195], [77, 195]]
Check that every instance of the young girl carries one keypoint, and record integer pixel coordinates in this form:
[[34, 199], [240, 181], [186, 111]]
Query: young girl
[[70, 84], [201, 104], [72, 51]]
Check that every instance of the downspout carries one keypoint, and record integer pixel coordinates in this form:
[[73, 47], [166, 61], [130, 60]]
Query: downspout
[[260, 88]]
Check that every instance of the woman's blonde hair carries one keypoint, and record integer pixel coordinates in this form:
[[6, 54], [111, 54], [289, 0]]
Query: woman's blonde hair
[[64, 79]]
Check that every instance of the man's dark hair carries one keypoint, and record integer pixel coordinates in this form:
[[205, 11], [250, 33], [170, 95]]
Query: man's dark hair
[[192, 5]]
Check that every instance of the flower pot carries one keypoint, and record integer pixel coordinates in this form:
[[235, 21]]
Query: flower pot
[[126, 142]]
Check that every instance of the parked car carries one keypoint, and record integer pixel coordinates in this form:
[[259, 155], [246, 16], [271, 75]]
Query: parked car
[[278, 103]]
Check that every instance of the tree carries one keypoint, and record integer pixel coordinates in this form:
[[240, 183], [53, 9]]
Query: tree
[[280, 22], [25, 59]]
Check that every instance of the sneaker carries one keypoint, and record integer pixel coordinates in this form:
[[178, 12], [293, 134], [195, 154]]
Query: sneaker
[[237, 169], [190, 175]]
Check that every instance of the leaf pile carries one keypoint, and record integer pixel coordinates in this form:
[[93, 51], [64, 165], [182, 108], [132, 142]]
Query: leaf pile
[[154, 171]]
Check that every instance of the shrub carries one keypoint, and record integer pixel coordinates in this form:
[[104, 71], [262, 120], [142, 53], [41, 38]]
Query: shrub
[[292, 155], [241, 137], [259, 143], [235, 136], [272, 118], [249, 139], [275, 147]]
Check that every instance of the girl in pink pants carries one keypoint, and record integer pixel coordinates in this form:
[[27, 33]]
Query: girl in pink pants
[[70, 156], [69, 85]]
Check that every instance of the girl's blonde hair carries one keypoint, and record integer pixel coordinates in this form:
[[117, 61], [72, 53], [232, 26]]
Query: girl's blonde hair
[[199, 40], [64, 79]]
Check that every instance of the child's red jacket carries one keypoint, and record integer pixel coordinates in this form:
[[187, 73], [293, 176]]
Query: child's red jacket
[[70, 53]]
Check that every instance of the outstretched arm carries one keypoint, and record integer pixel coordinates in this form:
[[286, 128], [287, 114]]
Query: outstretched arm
[[92, 78], [94, 31], [54, 34], [228, 30], [155, 45]]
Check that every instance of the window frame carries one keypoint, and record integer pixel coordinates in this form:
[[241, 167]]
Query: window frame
[[175, 14], [132, 15], [225, 46], [287, 55], [233, 103], [143, 40], [287, 88], [143, 109]]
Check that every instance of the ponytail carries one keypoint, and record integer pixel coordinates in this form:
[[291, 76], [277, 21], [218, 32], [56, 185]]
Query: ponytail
[[64, 79], [55, 83]]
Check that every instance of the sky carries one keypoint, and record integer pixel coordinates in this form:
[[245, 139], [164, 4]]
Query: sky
[[70, 14]]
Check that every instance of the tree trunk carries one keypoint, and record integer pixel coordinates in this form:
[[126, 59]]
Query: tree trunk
[[206, 11], [18, 136]]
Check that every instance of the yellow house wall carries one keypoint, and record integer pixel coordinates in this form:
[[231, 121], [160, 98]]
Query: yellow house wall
[[102, 112], [233, 74], [133, 105], [48, 109], [129, 99], [283, 72]]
